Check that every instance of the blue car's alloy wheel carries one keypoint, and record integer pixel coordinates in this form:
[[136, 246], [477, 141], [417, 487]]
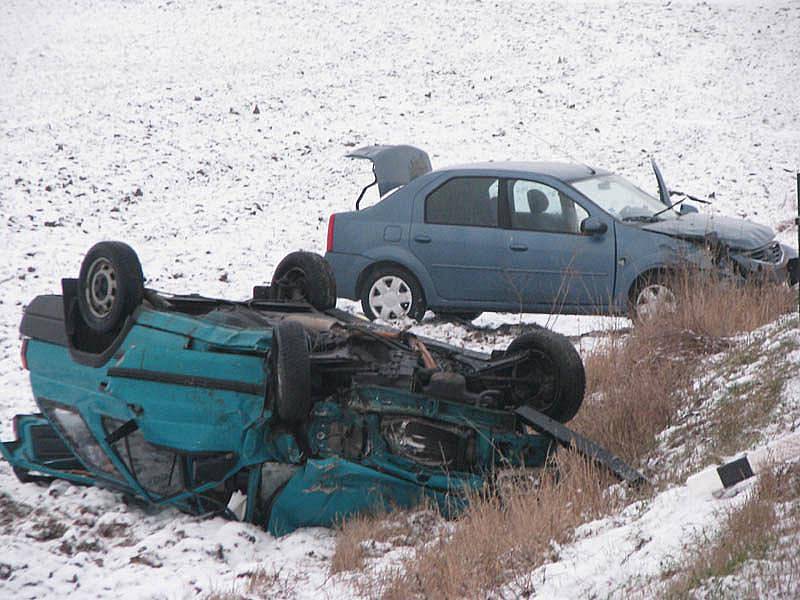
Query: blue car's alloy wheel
[[390, 297]]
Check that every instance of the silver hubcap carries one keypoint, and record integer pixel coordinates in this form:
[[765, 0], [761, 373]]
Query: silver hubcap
[[101, 291], [654, 298], [390, 298]]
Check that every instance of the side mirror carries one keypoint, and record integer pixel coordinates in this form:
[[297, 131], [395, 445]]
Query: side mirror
[[687, 209], [593, 226]]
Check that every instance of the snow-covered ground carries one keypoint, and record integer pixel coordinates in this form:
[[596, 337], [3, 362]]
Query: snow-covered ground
[[137, 121]]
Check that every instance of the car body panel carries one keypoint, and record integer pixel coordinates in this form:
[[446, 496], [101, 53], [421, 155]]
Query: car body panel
[[663, 190], [562, 272]]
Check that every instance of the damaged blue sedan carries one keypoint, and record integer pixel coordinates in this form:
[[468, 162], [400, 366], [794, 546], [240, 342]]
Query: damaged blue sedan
[[540, 237], [279, 410]]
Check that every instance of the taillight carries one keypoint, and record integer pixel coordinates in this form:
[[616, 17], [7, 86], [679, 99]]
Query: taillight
[[24, 353], [331, 219]]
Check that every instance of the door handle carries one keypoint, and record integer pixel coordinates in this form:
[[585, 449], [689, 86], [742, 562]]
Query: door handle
[[422, 239], [518, 247]]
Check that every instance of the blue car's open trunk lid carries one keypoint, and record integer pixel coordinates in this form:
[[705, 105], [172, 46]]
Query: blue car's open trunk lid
[[394, 165]]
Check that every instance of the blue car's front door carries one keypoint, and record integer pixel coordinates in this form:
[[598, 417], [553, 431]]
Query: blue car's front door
[[455, 235], [553, 266]]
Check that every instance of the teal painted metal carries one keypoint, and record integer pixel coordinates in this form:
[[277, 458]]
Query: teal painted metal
[[326, 492], [195, 395]]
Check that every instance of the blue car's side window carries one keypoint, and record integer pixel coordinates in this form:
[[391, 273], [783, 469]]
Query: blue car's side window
[[539, 207], [464, 201]]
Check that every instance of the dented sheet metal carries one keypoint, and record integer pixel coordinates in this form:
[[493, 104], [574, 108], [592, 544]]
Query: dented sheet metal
[[325, 492]]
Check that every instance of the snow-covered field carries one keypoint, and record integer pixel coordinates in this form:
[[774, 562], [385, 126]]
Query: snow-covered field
[[136, 121]]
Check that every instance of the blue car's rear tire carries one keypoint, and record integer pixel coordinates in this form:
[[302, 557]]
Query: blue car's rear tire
[[110, 286], [401, 290], [290, 387], [552, 380]]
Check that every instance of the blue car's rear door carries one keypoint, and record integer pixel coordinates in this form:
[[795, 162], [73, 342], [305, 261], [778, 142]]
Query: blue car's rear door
[[456, 236], [552, 265]]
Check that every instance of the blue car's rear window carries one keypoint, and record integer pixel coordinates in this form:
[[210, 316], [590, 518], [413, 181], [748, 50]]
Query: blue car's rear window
[[464, 201]]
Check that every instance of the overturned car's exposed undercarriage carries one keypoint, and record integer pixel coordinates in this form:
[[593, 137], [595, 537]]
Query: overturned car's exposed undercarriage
[[272, 410]]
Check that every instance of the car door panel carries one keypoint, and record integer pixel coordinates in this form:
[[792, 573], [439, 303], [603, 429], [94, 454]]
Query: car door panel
[[558, 270], [561, 270], [458, 240], [465, 263]]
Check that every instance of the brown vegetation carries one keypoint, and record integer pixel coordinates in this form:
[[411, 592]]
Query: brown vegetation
[[636, 385]]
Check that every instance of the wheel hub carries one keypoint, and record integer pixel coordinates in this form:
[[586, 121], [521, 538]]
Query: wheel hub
[[390, 298], [536, 381], [101, 291]]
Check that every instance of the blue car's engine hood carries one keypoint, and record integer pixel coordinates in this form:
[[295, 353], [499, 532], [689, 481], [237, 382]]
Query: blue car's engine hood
[[738, 234]]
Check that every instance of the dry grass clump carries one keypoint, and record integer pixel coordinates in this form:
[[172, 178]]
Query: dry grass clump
[[755, 546], [636, 384], [500, 538], [712, 307], [368, 535], [269, 583]]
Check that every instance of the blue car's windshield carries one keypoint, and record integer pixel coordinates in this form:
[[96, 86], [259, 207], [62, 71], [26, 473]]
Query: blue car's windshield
[[622, 199]]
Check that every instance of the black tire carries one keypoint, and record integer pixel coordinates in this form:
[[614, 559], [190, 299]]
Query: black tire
[[459, 316], [110, 286], [290, 390], [407, 285], [556, 379], [305, 276]]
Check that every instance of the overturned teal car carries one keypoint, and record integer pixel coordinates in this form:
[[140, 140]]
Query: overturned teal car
[[279, 410]]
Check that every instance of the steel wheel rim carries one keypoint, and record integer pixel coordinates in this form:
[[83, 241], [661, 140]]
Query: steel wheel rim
[[654, 298], [390, 298], [101, 288]]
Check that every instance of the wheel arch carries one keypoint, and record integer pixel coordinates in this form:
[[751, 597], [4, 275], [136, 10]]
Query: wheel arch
[[654, 271]]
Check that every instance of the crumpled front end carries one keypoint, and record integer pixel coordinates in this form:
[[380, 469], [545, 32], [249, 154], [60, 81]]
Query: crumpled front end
[[773, 262]]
